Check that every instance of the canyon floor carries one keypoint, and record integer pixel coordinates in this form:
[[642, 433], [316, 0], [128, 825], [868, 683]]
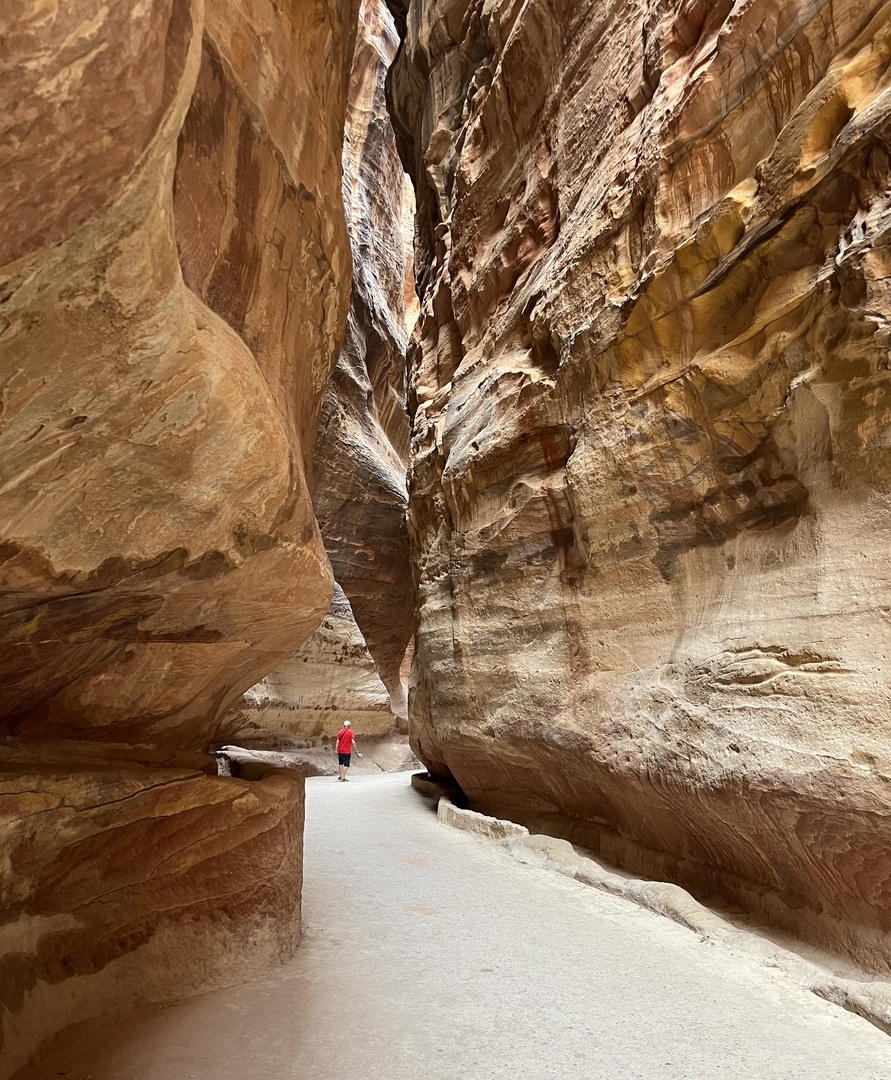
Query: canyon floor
[[429, 953]]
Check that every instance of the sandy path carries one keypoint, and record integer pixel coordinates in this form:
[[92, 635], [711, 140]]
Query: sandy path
[[431, 955]]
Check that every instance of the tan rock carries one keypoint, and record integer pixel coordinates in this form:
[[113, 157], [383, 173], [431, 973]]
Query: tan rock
[[361, 453], [160, 551], [648, 491], [127, 883], [330, 680], [158, 547], [259, 218]]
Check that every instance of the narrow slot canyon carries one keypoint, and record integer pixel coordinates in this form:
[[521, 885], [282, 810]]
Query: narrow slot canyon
[[506, 384]]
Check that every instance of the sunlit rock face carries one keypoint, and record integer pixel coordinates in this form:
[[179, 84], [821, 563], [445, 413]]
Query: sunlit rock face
[[330, 680], [650, 468], [158, 547], [361, 454], [361, 450]]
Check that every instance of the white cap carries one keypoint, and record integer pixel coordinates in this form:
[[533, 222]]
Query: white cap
[[346, 723]]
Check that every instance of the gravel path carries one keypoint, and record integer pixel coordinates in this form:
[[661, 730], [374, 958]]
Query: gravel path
[[432, 955]]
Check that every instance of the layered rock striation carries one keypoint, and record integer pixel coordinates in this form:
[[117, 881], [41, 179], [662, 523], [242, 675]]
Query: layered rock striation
[[132, 878], [650, 474], [361, 451], [174, 281], [331, 679], [154, 505], [361, 457]]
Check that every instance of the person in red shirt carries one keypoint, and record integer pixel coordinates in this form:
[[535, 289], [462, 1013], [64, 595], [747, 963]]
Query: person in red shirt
[[346, 739]]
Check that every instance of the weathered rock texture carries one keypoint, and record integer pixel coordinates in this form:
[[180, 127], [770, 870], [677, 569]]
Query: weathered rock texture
[[160, 551], [127, 882], [649, 495], [158, 548], [361, 454], [330, 680]]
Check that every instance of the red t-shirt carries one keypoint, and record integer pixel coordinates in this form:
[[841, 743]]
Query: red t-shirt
[[345, 740]]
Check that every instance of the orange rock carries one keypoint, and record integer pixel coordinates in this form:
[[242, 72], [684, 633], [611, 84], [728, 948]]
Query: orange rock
[[648, 486], [158, 548], [361, 451]]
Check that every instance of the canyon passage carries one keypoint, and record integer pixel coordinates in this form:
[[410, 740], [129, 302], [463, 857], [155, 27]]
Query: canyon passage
[[427, 953], [509, 378]]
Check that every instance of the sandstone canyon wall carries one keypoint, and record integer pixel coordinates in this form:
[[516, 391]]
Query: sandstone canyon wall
[[333, 678], [650, 463], [361, 451], [360, 493], [158, 547]]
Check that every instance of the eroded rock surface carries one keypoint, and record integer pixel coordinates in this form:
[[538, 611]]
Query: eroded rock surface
[[129, 881], [650, 470], [361, 452], [158, 547], [330, 680], [361, 455]]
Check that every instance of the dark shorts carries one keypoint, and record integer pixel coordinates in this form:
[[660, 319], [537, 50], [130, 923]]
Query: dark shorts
[[343, 759]]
